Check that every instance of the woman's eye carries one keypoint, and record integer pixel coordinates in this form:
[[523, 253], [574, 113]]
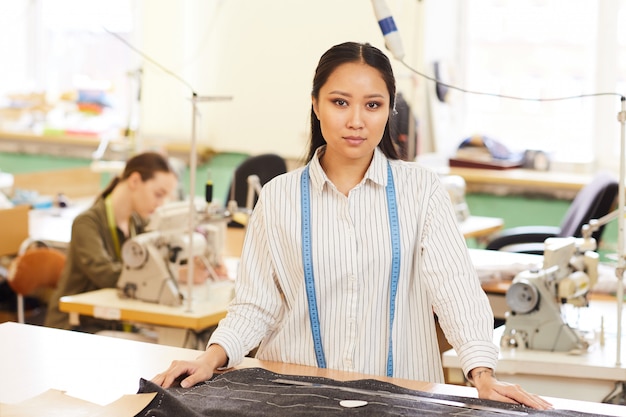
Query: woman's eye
[[340, 102], [373, 105]]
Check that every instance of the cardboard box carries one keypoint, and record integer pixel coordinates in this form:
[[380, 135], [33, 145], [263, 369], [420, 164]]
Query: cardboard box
[[13, 229]]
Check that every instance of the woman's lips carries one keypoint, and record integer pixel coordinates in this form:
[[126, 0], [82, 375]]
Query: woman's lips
[[354, 140]]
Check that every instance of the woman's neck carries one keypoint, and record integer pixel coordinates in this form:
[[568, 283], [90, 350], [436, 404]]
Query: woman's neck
[[345, 174], [122, 210]]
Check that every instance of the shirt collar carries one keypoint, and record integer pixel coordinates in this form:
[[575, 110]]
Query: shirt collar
[[376, 173]]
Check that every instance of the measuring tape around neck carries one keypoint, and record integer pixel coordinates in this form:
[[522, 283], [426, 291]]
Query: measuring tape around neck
[[308, 264], [112, 225], [108, 205]]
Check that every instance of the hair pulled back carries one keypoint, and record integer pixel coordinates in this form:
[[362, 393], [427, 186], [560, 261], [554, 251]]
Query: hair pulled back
[[147, 164], [344, 53]]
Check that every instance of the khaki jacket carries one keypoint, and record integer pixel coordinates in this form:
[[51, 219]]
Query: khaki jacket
[[91, 259]]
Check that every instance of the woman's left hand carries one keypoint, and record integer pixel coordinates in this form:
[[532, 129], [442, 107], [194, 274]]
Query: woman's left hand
[[490, 388], [200, 272]]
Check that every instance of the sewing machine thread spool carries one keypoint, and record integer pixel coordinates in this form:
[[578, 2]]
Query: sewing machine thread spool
[[208, 188]]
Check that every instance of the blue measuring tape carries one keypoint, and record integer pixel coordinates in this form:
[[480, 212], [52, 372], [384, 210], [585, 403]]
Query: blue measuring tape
[[308, 267], [308, 264]]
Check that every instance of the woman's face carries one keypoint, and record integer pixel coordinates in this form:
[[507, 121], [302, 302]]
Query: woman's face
[[150, 194], [353, 109]]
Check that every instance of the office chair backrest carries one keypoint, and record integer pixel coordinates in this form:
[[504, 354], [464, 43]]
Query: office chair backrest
[[593, 201], [266, 166], [36, 268]]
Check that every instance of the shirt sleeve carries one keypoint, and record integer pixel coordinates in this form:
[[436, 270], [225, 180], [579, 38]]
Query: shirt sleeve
[[257, 307], [459, 301], [94, 260]]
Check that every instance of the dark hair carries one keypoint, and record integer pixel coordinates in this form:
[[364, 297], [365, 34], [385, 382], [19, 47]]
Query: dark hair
[[346, 53], [147, 164]]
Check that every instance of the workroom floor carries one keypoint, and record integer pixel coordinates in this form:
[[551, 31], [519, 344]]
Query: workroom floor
[[34, 311]]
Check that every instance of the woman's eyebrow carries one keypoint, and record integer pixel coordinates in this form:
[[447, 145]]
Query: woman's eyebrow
[[373, 95], [343, 93]]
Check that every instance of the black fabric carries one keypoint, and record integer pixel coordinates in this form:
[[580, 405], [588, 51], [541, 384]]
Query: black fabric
[[253, 392]]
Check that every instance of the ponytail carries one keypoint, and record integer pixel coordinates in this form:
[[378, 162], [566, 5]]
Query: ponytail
[[110, 187], [146, 164]]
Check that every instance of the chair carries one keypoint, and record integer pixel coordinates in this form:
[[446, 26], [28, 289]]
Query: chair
[[593, 201], [37, 266], [266, 167]]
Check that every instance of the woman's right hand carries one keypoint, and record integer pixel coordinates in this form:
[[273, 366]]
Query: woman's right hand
[[196, 371]]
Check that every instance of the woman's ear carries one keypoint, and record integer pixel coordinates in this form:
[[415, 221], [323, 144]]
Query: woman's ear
[[315, 107], [134, 180]]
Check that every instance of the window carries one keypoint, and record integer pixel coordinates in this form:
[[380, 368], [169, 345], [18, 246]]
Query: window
[[63, 52], [546, 49]]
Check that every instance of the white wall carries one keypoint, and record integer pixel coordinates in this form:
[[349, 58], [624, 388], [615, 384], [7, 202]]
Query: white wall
[[263, 54], [444, 44]]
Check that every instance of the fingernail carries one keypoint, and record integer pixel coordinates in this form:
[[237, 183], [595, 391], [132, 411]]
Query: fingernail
[[184, 384]]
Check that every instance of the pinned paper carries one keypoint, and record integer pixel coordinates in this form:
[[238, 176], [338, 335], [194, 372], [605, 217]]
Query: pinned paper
[[57, 403]]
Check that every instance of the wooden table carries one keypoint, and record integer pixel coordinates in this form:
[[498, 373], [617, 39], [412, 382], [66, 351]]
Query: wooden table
[[83, 146], [589, 376], [54, 226], [480, 226], [505, 263], [520, 181], [74, 183], [173, 324], [501, 263], [100, 369]]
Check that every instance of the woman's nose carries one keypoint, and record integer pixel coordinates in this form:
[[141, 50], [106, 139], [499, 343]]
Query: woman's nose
[[356, 120]]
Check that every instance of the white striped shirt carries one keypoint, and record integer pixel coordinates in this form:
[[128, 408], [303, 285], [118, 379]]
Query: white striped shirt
[[351, 256]]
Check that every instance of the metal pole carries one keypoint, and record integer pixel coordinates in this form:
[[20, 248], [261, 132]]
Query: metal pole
[[193, 155], [192, 208], [619, 270]]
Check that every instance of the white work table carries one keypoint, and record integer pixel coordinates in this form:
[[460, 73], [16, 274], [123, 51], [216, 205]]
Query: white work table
[[207, 310], [589, 376], [172, 323], [98, 369], [54, 225], [496, 269]]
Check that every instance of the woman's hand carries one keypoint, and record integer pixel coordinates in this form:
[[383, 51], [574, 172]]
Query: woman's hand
[[200, 272], [203, 272], [490, 388], [194, 371]]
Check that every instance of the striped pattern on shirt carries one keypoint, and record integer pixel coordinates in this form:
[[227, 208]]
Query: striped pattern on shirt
[[351, 254]]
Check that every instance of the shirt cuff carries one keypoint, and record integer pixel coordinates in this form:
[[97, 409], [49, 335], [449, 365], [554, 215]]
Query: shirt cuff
[[475, 354], [229, 341]]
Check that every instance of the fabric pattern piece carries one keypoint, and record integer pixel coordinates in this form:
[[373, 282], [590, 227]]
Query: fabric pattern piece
[[254, 392]]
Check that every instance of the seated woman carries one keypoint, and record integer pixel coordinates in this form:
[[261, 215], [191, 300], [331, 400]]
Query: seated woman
[[120, 212]]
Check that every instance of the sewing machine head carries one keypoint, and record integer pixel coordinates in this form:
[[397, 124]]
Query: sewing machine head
[[535, 297], [173, 216], [151, 260]]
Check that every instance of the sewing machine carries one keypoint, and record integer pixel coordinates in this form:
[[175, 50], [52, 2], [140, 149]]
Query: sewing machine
[[536, 297], [151, 260]]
